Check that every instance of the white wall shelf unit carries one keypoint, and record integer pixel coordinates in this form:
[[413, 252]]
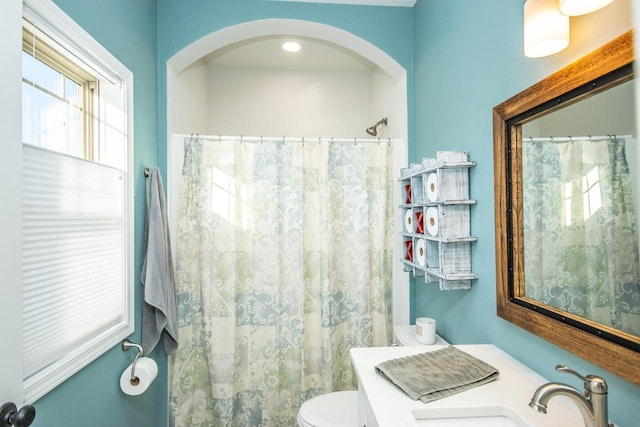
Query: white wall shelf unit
[[436, 210]]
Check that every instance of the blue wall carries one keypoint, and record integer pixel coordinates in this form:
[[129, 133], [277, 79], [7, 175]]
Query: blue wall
[[468, 58], [93, 397]]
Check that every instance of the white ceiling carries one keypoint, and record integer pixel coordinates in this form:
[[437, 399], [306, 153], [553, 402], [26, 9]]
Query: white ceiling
[[267, 52], [315, 54]]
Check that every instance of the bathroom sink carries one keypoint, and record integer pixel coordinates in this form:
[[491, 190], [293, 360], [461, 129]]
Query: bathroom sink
[[494, 416]]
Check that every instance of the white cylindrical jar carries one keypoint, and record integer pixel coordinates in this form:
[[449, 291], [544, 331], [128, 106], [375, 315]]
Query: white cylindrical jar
[[426, 330]]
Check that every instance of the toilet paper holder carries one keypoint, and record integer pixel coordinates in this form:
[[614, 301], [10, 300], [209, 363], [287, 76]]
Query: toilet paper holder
[[126, 345]]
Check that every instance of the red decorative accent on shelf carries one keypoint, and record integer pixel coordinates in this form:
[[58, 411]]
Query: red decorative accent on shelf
[[420, 222], [407, 191], [408, 254]]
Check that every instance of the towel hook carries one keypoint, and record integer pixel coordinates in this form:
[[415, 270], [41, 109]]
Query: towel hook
[[126, 345]]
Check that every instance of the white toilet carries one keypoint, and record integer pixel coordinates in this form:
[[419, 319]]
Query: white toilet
[[340, 408], [337, 409]]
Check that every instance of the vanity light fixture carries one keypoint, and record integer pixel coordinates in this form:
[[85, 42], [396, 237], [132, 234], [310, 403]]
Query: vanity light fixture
[[291, 46], [581, 7], [546, 30]]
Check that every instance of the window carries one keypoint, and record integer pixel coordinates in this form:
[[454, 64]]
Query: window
[[77, 210], [57, 95]]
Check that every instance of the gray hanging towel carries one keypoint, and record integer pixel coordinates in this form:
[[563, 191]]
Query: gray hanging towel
[[159, 315], [437, 374]]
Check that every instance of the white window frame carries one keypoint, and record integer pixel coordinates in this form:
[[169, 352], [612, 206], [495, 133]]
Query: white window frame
[[88, 51]]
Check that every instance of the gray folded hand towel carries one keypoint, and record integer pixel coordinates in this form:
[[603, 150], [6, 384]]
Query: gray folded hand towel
[[437, 374]]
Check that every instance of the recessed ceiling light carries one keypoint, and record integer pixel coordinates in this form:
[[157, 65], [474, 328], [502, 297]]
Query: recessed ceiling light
[[291, 46]]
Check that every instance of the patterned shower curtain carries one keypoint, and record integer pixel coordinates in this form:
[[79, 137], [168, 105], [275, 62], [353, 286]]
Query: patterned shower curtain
[[581, 251], [283, 263]]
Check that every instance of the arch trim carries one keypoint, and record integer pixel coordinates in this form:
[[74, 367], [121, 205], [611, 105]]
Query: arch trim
[[279, 26]]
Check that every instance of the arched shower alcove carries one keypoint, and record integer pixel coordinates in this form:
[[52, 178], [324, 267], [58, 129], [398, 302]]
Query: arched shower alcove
[[207, 100]]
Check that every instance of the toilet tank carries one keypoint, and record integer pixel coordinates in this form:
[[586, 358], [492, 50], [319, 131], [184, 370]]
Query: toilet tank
[[406, 336]]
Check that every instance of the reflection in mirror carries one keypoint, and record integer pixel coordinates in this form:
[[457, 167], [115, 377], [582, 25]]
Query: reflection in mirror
[[566, 172], [580, 207]]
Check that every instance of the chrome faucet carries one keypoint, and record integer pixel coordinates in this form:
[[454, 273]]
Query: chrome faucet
[[592, 402]]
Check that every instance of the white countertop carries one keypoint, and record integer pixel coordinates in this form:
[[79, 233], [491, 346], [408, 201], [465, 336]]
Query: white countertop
[[513, 388]]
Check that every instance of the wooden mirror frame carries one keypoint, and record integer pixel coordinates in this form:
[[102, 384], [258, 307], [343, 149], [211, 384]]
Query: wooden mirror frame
[[591, 341]]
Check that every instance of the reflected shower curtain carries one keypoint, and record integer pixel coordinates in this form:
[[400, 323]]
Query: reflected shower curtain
[[581, 251], [284, 258]]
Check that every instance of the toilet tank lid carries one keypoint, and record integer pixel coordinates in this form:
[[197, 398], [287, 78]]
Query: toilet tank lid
[[406, 335]]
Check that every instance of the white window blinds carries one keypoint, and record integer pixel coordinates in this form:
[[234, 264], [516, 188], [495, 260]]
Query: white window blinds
[[73, 275]]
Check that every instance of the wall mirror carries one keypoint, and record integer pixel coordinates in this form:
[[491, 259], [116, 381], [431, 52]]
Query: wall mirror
[[567, 187]]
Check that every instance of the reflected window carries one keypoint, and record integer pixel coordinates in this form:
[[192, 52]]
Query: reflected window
[[591, 196], [568, 198]]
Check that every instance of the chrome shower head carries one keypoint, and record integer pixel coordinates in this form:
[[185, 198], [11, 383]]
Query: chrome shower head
[[373, 130]]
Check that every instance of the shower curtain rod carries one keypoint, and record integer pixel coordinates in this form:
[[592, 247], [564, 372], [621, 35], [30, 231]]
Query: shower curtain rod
[[575, 138], [286, 138]]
